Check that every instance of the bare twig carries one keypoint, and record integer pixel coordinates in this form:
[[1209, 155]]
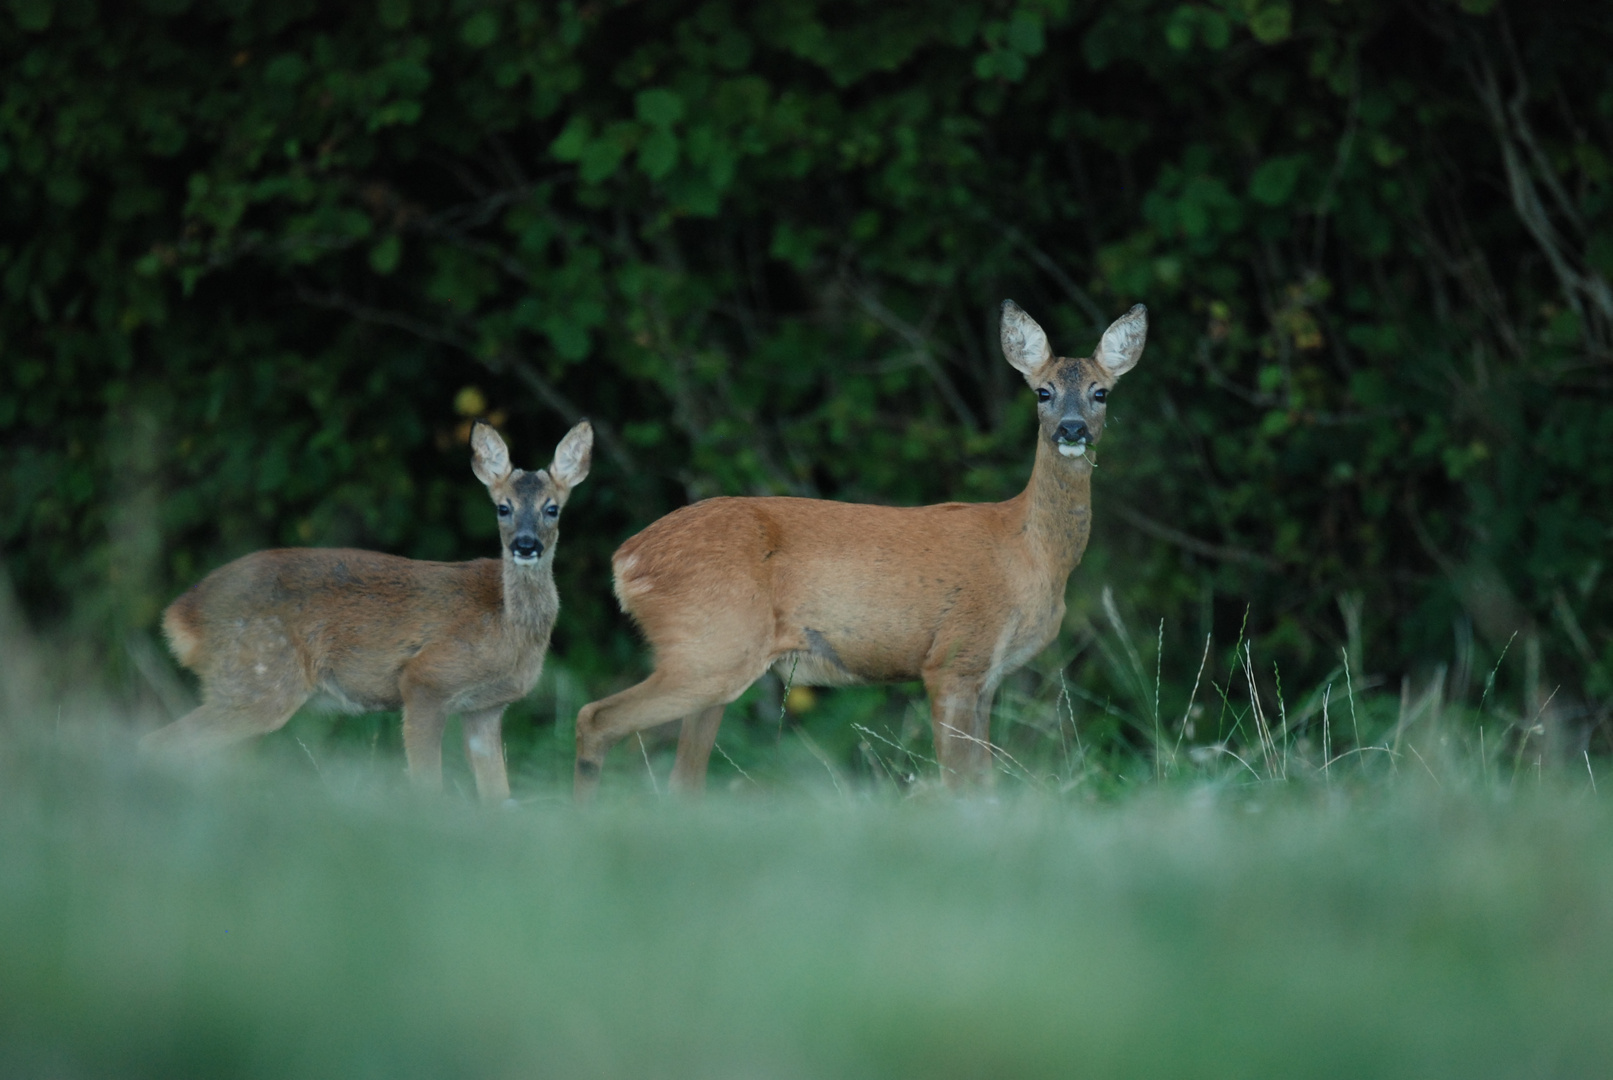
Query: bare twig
[[1083, 299], [655, 787], [718, 747], [920, 343], [1142, 522], [449, 336], [1187, 713], [817, 752], [994, 750], [1340, 159]]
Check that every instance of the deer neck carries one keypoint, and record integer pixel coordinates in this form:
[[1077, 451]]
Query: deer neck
[[530, 600], [1057, 509]]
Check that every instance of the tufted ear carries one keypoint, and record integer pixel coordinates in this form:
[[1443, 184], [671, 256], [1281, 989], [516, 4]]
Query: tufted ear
[[573, 456], [1122, 343], [1024, 344], [490, 459]]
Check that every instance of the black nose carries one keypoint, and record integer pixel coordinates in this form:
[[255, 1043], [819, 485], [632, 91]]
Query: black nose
[[1071, 431], [526, 547]]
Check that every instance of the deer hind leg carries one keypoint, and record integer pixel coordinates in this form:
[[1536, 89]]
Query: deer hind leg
[[657, 700], [699, 735], [220, 722], [253, 688], [484, 749], [215, 725]]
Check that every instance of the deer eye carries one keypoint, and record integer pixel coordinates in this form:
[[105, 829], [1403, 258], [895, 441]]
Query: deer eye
[[1100, 395], [1043, 394], [551, 511], [505, 510]]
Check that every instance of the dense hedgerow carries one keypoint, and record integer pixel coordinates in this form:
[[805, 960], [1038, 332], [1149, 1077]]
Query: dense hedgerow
[[260, 262]]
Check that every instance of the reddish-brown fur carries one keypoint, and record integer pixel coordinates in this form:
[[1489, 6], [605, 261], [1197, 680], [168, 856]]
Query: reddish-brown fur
[[371, 631], [957, 594]]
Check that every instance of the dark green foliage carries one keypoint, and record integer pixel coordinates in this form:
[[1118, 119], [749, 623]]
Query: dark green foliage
[[260, 261]]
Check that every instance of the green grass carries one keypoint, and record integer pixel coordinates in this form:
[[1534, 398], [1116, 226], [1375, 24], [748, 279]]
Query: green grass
[[264, 919]]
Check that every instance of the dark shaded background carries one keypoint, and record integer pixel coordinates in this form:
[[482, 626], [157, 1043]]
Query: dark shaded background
[[261, 261]]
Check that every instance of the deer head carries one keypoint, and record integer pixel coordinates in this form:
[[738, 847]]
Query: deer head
[[529, 503], [1071, 392]]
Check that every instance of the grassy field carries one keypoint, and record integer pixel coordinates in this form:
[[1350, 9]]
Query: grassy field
[[269, 918]]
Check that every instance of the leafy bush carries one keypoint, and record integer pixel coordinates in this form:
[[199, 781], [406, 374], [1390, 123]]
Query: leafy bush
[[261, 261]]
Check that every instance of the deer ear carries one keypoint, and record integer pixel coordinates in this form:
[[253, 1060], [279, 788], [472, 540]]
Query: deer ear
[[573, 456], [1024, 344], [1122, 343], [490, 459]]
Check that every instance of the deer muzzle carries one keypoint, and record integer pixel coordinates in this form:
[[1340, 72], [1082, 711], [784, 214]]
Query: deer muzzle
[[1072, 437]]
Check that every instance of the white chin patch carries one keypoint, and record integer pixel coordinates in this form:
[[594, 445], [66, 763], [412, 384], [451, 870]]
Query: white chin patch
[[1073, 449], [525, 560]]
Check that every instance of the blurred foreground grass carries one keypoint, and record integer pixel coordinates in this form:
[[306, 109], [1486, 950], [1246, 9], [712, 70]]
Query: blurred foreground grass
[[257, 919]]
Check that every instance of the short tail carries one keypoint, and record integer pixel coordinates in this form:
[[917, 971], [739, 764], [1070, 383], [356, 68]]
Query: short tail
[[179, 626], [628, 578]]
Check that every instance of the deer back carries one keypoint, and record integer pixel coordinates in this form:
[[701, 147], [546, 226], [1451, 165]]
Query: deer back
[[352, 622]]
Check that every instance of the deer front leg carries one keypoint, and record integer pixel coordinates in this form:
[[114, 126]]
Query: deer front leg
[[484, 749], [423, 721], [954, 718], [983, 766]]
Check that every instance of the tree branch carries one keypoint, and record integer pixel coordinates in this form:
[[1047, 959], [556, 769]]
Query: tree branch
[[1160, 531], [517, 365]]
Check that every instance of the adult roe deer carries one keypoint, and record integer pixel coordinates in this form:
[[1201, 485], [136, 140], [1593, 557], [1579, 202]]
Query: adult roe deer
[[957, 594], [372, 631]]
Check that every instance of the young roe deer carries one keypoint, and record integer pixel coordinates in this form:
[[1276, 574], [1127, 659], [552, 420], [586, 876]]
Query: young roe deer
[[372, 631], [958, 594]]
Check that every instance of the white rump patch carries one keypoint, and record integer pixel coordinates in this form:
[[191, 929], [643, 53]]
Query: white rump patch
[[628, 587]]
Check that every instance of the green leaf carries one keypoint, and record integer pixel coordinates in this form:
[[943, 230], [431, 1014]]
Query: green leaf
[[66, 188], [600, 160], [1001, 64], [1215, 29], [479, 30], [573, 139], [1024, 33], [1179, 28], [658, 154], [32, 15], [385, 255], [1272, 23], [394, 14], [1369, 388], [1564, 328], [658, 107], [287, 69], [1385, 151], [568, 338], [1273, 182], [393, 114]]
